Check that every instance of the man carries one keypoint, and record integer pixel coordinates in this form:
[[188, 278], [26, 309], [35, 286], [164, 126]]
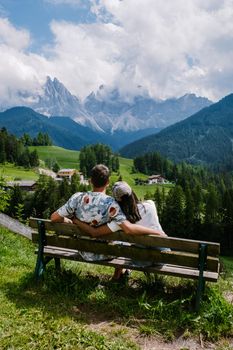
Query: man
[[96, 208]]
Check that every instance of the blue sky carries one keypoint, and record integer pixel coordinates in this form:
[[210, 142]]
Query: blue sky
[[168, 48], [36, 16]]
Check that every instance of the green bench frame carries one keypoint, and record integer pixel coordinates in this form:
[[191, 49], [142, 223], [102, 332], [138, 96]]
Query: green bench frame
[[188, 258]]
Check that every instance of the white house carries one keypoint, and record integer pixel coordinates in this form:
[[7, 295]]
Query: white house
[[156, 179], [66, 173]]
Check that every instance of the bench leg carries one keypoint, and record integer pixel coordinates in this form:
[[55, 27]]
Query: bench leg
[[40, 262], [40, 265], [201, 279], [58, 264]]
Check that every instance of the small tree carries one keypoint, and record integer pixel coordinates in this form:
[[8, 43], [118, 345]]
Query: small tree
[[55, 167], [4, 196]]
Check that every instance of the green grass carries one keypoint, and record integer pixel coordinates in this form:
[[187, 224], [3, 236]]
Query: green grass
[[82, 309], [65, 158], [11, 172]]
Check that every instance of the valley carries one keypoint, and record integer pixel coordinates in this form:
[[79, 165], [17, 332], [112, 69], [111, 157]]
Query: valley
[[70, 159]]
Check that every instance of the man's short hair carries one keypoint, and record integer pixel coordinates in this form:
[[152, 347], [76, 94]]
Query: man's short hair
[[100, 175]]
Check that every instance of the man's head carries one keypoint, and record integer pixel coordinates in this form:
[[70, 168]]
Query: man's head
[[100, 176]]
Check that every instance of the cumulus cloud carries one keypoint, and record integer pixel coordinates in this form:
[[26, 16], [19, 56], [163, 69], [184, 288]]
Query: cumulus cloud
[[173, 47], [168, 48], [20, 70]]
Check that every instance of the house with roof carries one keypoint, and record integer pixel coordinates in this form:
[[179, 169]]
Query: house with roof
[[156, 179], [66, 173], [25, 185]]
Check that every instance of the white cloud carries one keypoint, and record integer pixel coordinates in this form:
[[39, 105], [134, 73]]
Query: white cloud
[[168, 47], [13, 38], [19, 69], [64, 2]]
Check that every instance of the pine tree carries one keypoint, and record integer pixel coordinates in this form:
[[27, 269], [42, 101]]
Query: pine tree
[[158, 201], [173, 216], [211, 205], [4, 196], [55, 167], [16, 198], [189, 212]]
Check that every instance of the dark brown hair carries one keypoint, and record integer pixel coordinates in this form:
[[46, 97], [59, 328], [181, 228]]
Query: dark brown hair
[[128, 204], [99, 175]]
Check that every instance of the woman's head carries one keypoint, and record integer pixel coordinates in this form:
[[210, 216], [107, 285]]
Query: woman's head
[[127, 200]]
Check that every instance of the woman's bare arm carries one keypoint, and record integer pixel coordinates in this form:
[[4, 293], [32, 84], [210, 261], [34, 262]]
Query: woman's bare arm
[[134, 229], [126, 226]]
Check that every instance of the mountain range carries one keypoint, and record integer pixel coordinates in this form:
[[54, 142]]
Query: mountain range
[[108, 111], [104, 116], [204, 138]]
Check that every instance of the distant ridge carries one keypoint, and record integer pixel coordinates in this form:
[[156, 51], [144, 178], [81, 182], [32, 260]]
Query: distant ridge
[[204, 138], [63, 131]]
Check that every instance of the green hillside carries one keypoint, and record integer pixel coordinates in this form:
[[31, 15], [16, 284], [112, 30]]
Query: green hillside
[[204, 138], [127, 175], [65, 158], [10, 172], [70, 159]]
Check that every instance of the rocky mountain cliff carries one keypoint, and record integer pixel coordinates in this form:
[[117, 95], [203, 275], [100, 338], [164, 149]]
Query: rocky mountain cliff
[[108, 111]]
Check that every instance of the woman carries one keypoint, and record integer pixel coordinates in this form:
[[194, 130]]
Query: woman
[[142, 213]]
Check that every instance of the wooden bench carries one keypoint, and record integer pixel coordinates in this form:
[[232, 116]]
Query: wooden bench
[[187, 258]]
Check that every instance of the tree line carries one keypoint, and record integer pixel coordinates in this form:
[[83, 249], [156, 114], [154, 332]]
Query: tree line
[[39, 140], [48, 196], [12, 150], [97, 154], [198, 206]]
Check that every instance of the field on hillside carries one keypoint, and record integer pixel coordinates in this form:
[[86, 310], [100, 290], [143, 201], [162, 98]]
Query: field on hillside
[[127, 175], [11, 172], [70, 159], [83, 309], [65, 158]]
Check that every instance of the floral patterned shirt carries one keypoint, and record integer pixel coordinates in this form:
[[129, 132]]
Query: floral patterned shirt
[[95, 208]]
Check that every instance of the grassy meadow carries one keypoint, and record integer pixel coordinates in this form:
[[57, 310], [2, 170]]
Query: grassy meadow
[[65, 158], [82, 309], [11, 172], [70, 159]]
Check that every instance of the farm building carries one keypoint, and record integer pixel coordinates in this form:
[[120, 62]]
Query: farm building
[[156, 179]]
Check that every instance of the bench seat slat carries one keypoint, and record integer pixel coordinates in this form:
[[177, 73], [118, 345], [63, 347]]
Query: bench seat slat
[[136, 253], [165, 269], [148, 241]]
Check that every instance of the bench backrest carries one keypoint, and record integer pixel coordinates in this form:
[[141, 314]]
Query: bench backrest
[[184, 252]]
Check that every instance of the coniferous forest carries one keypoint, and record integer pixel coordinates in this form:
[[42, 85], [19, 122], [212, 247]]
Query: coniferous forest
[[97, 154], [199, 206], [16, 151]]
